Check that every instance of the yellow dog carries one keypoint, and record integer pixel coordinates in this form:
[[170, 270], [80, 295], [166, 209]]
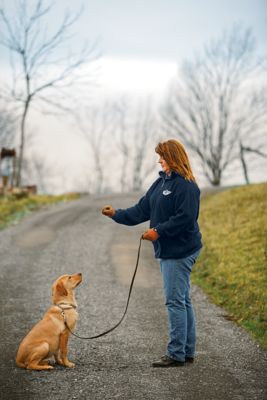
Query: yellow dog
[[49, 337]]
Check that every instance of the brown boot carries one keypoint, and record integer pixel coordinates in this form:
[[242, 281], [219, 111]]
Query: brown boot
[[166, 362]]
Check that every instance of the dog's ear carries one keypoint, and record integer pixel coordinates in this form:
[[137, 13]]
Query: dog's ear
[[61, 290]]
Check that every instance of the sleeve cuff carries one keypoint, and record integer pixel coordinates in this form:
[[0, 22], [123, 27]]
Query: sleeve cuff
[[159, 230], [114, 216]]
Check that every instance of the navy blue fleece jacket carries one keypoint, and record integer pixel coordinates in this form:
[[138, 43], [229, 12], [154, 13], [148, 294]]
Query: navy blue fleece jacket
[[172, 206]]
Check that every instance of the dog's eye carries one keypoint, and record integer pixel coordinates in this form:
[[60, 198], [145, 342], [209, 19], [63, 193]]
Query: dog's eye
[[69, 277]]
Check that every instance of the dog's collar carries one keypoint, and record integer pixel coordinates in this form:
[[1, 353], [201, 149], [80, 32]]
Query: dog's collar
[[66, 306]]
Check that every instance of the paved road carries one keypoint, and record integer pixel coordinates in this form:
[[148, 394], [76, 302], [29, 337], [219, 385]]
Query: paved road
[[74, 237]]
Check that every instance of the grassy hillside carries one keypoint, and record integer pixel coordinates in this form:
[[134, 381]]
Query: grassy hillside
[[233, 266], [13, 209]]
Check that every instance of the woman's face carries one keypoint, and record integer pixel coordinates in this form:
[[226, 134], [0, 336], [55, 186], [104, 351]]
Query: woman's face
[[165, 167]]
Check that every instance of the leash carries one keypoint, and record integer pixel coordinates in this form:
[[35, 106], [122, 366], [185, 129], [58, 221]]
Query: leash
[[125, 311]]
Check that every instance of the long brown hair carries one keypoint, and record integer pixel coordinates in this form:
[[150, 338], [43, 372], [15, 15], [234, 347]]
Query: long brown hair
[[173, 152]]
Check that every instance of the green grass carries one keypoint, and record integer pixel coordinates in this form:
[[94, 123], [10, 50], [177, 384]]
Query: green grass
[[232, 268], [12, 209]]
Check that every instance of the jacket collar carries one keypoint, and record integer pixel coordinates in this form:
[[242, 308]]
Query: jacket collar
[[164, 176]]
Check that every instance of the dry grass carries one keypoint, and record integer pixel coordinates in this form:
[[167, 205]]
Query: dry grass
[[232, 267], [13, 209]]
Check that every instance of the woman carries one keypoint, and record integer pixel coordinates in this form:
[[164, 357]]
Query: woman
[[172, 206]]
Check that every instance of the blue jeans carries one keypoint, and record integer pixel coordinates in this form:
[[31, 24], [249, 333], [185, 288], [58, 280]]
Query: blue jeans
[[182, 328]]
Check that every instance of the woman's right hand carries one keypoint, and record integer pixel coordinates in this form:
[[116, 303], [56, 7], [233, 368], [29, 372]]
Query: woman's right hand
[[108, 211]]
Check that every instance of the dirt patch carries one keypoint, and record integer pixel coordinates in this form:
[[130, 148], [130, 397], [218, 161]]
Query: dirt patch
[[124, 254], [35, 237]]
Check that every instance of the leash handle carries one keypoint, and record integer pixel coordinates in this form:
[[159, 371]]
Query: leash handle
[[126, 308]]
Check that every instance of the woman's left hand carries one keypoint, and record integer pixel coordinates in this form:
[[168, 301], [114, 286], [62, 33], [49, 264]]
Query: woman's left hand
[[150, 234]]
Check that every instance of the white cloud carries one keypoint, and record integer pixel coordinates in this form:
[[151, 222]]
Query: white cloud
[[136, 76]]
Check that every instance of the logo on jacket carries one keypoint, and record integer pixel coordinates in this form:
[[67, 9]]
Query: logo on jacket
[[166, 192]]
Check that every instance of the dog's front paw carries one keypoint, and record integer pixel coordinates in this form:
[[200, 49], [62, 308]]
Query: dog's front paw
[[59, 360], [69, 364]]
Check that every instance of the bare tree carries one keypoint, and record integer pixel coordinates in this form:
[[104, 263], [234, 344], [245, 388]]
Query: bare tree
[[215, 105], [136, 133], [259, 146], [7, 127], [251, 150], [95, 124], [121, 108], [145, 137], [37, 169], [39, 64]]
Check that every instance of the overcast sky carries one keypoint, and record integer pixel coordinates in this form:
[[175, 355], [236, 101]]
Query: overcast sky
[[138, 36], [167, 30], [160, 31]]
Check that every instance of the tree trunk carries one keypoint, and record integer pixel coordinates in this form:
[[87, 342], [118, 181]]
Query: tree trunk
[[244, 165], [22, 141], [123, 178]]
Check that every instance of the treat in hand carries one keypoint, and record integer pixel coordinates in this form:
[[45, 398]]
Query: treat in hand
[[150, 234], [108, 211]]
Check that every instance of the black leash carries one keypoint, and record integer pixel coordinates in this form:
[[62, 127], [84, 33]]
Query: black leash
[[125, 311]]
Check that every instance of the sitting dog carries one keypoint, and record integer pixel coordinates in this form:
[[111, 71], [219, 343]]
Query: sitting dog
[[49, 337]]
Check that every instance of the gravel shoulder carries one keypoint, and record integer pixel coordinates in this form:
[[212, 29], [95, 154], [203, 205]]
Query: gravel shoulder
[[75, 237]]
